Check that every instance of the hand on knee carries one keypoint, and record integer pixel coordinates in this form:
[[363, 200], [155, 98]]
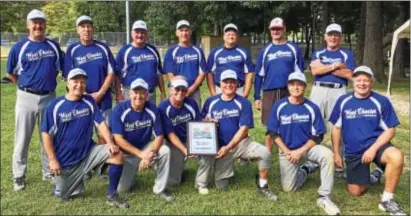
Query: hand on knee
[[117, 158]]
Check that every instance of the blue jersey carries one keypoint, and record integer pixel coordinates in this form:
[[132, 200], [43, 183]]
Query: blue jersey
[[97, 61], [136, 127], [36, 64], [143, 62], [296, 123], [231, 115], [362, 120], [329, 57], [274, 64], [186, 61], [175, 119], [237, 59], [71, 123]]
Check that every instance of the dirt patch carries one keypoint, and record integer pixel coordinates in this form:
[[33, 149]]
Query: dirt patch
[[400, 102]]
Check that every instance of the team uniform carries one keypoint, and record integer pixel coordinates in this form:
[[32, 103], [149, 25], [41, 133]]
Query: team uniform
[[70, 123], [362, 121], [237, 59], [97, 61], [274, 64], [144, 63], [138, 128], [175, 120], [188, 62], [231, 115], [296, 124], [36, 64]]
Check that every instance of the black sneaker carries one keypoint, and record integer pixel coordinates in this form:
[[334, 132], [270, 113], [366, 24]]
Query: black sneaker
[[265, 191], [376, 175], [18, 184], [115, 200], [165, 195], [391, 207]]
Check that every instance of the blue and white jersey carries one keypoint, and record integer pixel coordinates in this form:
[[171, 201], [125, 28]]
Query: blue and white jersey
[[36, 64], [143, 62], [274, 64], [186, 61], [136, 127], [362, 120], [231, 115], [97, 61], [326, 57], [237, 59], [71, 123], [296, 123], [175, 119]]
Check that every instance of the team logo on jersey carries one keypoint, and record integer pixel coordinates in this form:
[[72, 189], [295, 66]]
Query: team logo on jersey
[[137, 125], [89, 57], [181, 119], [230, 58], [325, 59], [360, 112], [186, 57], [226, 113], [142, 57], [68, 116], [33, 56], [279, 54], [294, 118]]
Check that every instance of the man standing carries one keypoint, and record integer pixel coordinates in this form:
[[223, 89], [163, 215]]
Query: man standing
[[176, 112], [139, 60], [230, 56], [366, 122], [234, 116], [67, 131], [331, 67], [296, 126], [33, 64], [187, 60], [133, 124]]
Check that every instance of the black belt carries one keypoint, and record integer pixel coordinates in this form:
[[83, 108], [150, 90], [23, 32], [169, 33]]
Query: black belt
[[239, 86], [36, 92], [329, 85]]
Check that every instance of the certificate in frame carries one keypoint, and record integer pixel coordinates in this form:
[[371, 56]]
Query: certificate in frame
[[202, 138]]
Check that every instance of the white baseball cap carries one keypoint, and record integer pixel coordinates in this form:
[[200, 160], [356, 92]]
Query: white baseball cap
[[228, 74], [297, 76], [82, 19], [363, 69], [333, 28], [139, 24], [76, 72], [139, 83], [277, 23], [182, 23], [36, 14], [178, 83], [230, 26]]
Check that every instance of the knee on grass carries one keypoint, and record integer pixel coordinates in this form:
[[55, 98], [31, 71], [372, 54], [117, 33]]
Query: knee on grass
[[357, 190]]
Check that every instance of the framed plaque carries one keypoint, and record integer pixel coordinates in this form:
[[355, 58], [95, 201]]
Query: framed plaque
[[202, 138]]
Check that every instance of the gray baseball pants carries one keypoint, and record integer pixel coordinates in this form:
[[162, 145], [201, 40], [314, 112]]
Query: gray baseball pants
[[176, 165], [29, 112], [223, 168], [292, 177]]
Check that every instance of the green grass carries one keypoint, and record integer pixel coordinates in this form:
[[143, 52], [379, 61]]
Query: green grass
[[239, 199]]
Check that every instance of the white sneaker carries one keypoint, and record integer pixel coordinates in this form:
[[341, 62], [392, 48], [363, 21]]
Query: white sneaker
[[18, 184], [202, 190], [328, 206]]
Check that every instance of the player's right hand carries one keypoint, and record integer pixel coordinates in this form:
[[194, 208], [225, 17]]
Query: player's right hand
[[144, 164], [148, 155], [258, 105], [54, 167], [338, 160]]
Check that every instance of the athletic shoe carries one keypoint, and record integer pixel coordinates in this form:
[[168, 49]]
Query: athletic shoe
[[87, 176], [310, 167], [244, 162], [391, 207], [339, 173], [49, 178], [376, 175], [165, 195], [115, 200], [328, 206], [202, 190], [18, 184], [265, 191]]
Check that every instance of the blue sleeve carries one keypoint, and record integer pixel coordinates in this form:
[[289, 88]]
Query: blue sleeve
[[12, 59], [249, 62], [300, 59], [98, 115], [47, 121], [273, 124], [388, 114], [169, 65], [204, 111], [68, 62], [318, 123], [116, 125], [167, 123], [314, 56], [258, 82], [350, 64], [158, 126], [210, 61], [119, 62], [336, 113], [203, 63], [246, 116]]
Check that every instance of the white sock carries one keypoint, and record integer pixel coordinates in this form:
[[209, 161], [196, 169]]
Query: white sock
[[263, 182], [386, 196]]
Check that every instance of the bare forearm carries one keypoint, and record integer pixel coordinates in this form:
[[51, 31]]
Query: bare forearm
[[117, 85], [107, 83], [384, 138], [176, 141], [307, 146], [344, 73], [48, 146], [161, 83], [248, 83], [13, 78], [240, 135], [321, 69], [335, 139], [197, 83], [281, 145], [210, 83], [126, 146], [158, 141], [105, 132]]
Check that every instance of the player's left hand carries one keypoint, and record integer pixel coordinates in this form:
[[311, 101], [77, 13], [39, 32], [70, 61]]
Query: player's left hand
[[222, 152], [294, 156], [97, 96], [368, 156], [113, 149]]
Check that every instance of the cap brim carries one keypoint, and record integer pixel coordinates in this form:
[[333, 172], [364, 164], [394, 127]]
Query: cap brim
[[297, 80], [179, 86], [42, 18], [229, 78], [183, 25], [84, 22], [79, 75], [277, 26], [139, 87], [230, 29], [362, 72], [334, 31]]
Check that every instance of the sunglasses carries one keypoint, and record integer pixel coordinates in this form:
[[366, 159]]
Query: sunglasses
[[180, 89]]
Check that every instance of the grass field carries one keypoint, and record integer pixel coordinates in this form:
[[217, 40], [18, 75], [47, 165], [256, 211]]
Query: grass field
[[239, 199]]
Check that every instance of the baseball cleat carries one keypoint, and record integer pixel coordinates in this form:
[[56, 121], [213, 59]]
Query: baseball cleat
[[391, 207], [115, 200], [328, 205], [165, 195], [19, 184]]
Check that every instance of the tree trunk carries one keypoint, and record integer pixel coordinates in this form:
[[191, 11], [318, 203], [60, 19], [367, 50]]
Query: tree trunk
[[314, 27], [308, 36], [325, 20], [359, 50], [373, 50], [349, 40], [215, 33], [399, 56]]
